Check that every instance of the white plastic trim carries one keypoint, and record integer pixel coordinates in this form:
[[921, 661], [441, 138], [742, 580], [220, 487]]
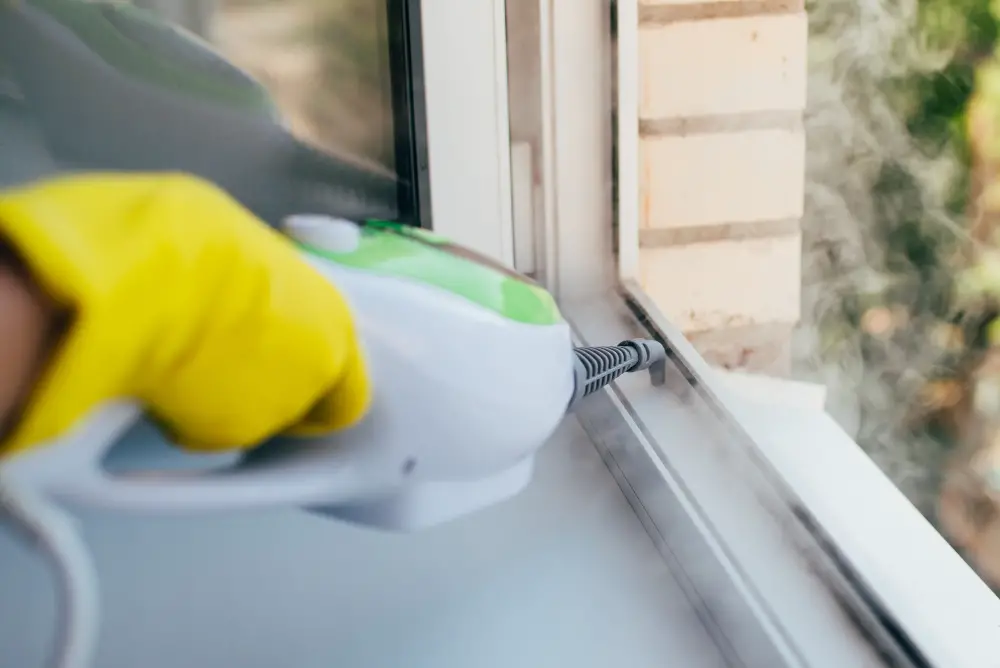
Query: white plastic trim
[[932, 593], [523, 198], [780, 391], [935, 597], [628, 138], [468, 131], [719, 523], [549, 222], [576, 147], [943, 605]]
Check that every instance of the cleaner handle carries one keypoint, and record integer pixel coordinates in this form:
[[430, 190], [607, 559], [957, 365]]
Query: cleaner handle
[[595, 367]]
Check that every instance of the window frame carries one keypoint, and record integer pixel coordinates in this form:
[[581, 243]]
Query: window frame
[[467, 123], [852, 588], [409, 111], [872, 549], [406, 73]]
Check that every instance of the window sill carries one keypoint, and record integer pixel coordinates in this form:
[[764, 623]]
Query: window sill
[[717, 479]]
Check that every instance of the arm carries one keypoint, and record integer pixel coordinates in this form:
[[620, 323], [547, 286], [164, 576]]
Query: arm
[[180, 299]]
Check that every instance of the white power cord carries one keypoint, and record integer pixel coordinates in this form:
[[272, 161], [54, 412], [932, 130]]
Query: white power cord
[[52, 531]]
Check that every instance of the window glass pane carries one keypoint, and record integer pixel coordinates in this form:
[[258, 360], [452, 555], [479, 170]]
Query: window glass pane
[[329, 66], [326, 63]]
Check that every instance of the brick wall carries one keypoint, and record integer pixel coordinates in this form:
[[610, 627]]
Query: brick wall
[[722, 160]]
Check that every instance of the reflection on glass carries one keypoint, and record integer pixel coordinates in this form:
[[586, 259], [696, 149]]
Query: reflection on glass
[[326, 62]]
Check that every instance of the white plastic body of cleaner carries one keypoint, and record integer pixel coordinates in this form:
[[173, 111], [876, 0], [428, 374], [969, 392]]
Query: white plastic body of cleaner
[[463, 399]]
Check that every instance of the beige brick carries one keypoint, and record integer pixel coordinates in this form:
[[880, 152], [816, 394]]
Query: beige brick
[[723, 66], [722, 178], [725, 284]]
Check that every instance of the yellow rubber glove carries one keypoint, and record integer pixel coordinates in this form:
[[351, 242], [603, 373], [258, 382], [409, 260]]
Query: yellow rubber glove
[[181, 299]]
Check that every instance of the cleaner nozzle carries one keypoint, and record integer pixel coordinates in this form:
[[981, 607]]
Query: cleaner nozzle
[[595, 367]]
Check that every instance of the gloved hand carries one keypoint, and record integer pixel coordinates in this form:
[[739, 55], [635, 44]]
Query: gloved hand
[[180, 298]]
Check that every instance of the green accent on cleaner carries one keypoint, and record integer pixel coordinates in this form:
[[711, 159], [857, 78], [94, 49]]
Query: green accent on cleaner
[[408, 252]]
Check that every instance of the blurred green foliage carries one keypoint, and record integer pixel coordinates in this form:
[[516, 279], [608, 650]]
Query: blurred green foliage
[[922, 252], [937, 120], [888, 227]]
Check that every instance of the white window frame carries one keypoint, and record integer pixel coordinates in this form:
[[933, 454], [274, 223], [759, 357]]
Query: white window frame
[[782, 592], [936, 599], [468, 125], [627, 91]]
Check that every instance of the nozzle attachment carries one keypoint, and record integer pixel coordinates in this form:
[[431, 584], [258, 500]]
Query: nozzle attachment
[[595, 367]]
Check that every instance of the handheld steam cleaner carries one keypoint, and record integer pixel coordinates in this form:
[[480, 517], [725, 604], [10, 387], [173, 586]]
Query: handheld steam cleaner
[[473, 366]]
